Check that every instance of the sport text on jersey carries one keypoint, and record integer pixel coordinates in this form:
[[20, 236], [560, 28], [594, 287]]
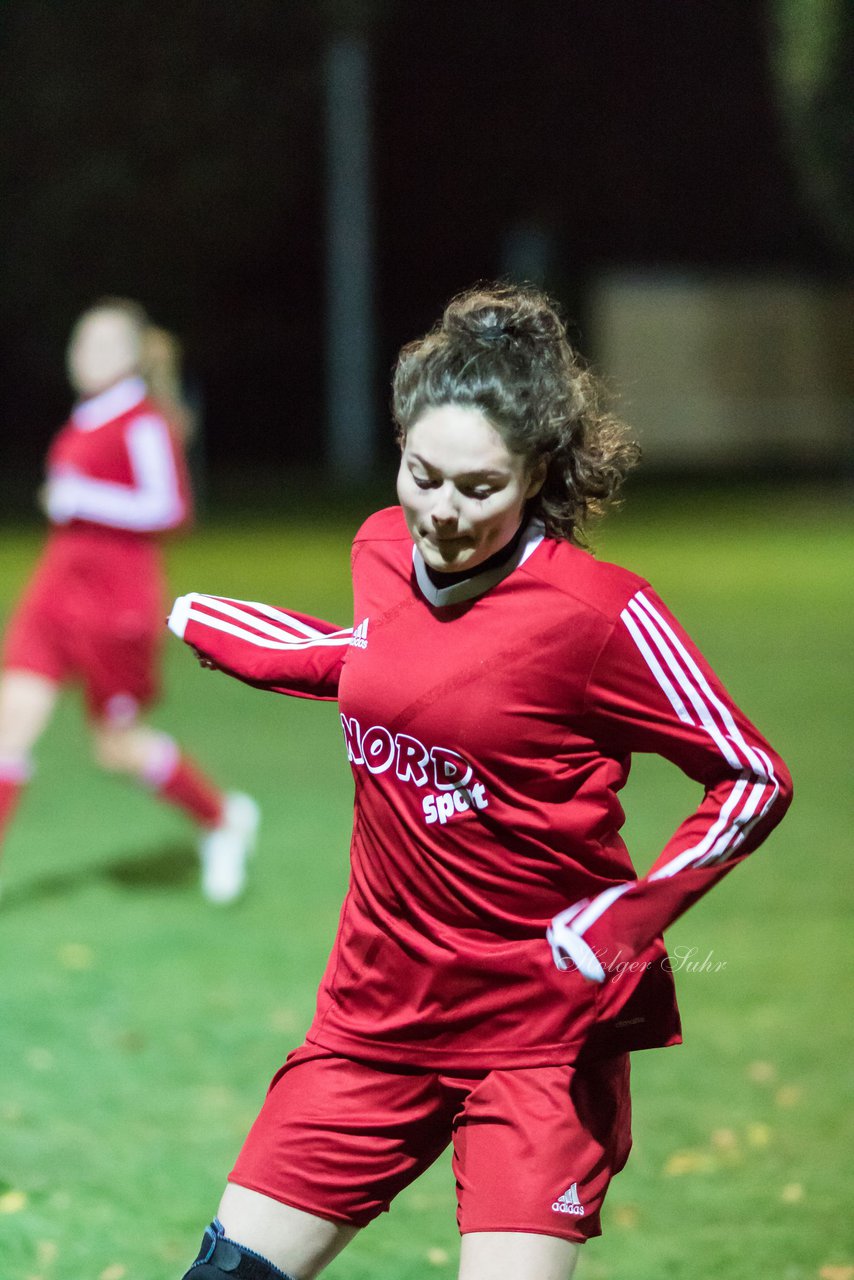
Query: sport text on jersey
[[377, 749]]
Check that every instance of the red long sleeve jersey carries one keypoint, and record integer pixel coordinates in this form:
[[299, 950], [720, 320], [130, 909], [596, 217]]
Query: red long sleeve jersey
[[116, 480], [490, 726], [115, 465]]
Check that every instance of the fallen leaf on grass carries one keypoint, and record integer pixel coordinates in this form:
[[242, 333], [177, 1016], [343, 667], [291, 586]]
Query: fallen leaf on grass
[[437, 1257], [12, 1201], [758, 1134], [792, 1193], [625, 1216], [115, 1271], [40, 1059], [688, 1162], [173, 1251], [832, 1272], [761, 1072], [788, 1096], [47, 1251], [282, 1020], [424, 1201], [130, 1041], [216, 1097], [76, 955], [725, 1141]]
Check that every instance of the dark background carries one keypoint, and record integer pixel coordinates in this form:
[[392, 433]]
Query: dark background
[[174, 153]]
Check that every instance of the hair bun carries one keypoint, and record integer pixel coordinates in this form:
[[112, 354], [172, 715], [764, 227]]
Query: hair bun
[[499, 316]]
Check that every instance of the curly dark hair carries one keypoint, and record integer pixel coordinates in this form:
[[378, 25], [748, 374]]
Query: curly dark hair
[[503, 349]]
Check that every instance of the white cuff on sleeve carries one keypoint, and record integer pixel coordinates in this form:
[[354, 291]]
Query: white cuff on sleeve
[[180, 615], [60, 499]]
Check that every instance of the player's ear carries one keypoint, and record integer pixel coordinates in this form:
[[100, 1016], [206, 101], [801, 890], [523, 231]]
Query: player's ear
[[538, 476]]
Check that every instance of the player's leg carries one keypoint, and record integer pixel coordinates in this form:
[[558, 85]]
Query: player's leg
[[495, 1255], [534, 1152], [229, 821], [128, 746], [34, 663], [27, 701], [120, 672], [296, 1243], [334, 1143]]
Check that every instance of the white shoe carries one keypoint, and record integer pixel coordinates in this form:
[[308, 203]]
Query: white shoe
[[225, 850]]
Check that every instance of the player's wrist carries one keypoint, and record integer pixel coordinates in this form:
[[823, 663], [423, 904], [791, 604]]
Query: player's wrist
[[587, 935]]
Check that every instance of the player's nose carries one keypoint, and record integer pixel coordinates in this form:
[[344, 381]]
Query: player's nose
[[443, 512]]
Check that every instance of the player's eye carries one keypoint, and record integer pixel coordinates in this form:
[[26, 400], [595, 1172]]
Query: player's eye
[[423, 482], [480, 491]]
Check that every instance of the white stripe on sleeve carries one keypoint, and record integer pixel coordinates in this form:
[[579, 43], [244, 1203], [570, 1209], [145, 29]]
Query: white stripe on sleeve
[[685, 686], [288, 625], [760, 766], [599, 905], [227, 617]]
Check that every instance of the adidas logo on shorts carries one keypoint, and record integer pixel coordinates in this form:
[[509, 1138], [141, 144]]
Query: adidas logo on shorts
[[569, 1202]]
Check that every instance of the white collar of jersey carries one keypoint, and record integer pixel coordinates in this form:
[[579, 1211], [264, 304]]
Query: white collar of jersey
[[478, 583], [109, 404]]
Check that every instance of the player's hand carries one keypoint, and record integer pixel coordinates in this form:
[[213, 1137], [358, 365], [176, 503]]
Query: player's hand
[[203, 661], [568, 947]]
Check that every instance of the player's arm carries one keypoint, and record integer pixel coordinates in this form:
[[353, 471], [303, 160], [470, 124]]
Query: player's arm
[[263, 646], [154, 500], [652, 691]]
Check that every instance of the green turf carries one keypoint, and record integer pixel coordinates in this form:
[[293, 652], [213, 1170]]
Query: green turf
[[138, 1027]]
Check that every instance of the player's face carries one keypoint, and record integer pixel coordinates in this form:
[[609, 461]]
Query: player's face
[[462, 491], [104, 348]]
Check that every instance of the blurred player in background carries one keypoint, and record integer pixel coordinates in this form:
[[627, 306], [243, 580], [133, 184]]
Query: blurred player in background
[[497, 958], [93, 610]]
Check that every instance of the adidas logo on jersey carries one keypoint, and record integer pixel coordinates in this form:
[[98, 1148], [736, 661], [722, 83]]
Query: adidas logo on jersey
[[359, 637], [569, 1202]]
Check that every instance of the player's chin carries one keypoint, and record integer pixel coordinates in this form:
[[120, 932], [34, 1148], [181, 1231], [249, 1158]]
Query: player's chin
[[450, 556]]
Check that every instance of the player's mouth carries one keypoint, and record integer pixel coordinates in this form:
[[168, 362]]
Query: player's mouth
[[457, 540]]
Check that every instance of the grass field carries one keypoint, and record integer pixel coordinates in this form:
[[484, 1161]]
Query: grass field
[[139, 1027]]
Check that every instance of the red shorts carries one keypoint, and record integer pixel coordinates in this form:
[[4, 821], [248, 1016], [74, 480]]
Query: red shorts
[[534, 1149], [96, 621]]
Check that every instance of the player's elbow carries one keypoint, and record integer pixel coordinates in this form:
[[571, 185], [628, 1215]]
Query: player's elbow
[[782, 795], [786, 788]]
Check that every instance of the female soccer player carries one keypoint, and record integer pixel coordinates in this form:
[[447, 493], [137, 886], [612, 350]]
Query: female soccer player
[[93, 611], [497, 957]]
